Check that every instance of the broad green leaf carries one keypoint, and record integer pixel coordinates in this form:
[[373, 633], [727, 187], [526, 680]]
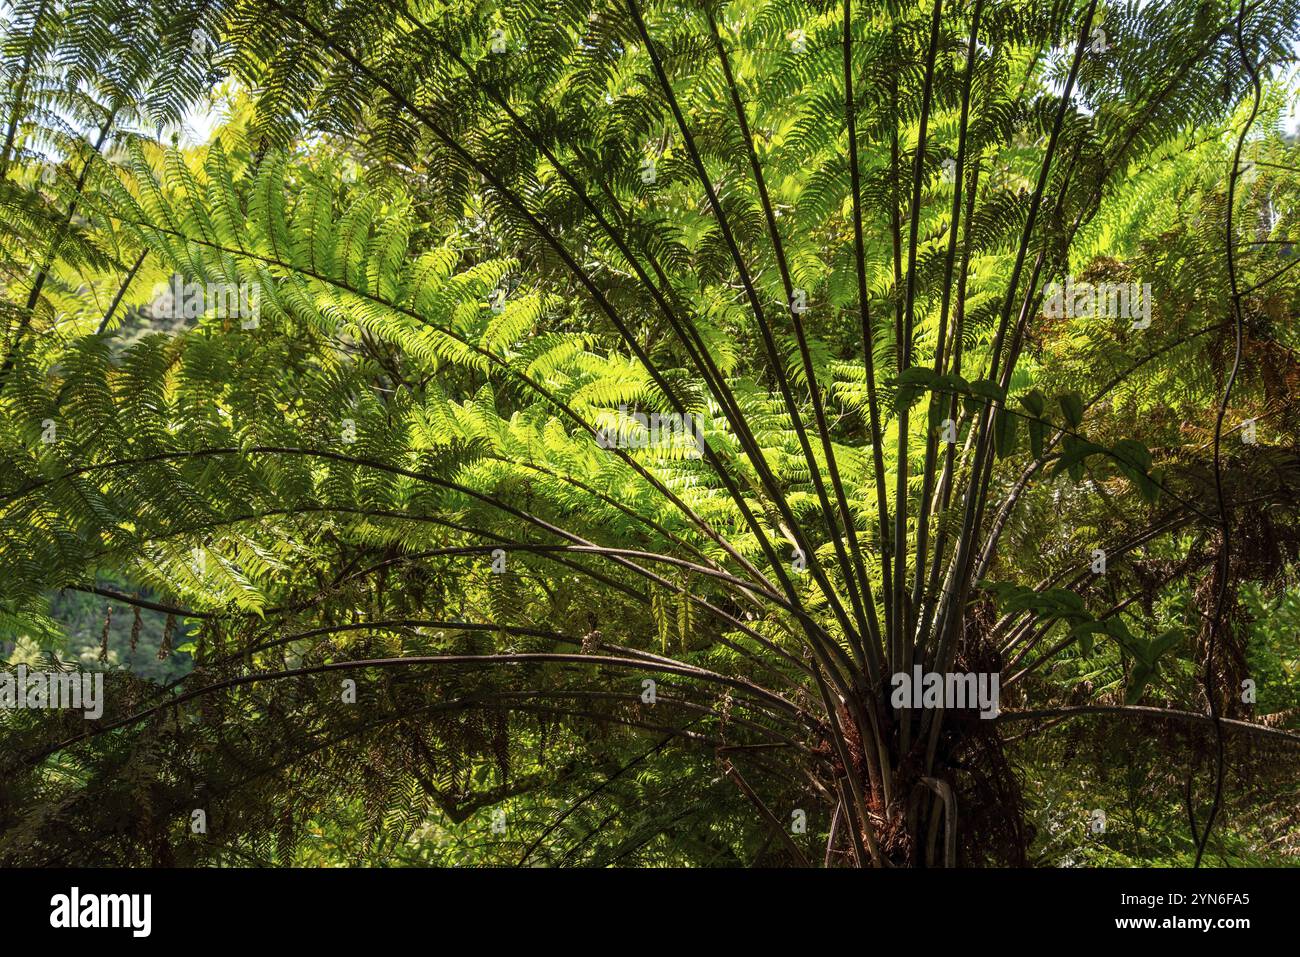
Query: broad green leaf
[[1072, 409], [1036, 430], [1004, 433], [1034, 402]]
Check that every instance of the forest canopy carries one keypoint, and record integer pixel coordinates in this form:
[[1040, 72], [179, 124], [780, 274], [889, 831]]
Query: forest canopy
[[547, 432]]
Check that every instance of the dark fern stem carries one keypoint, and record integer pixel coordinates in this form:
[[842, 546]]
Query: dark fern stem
[[1225, 520]]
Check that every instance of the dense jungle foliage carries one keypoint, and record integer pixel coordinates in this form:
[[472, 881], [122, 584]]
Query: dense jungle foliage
[[616, 395]]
